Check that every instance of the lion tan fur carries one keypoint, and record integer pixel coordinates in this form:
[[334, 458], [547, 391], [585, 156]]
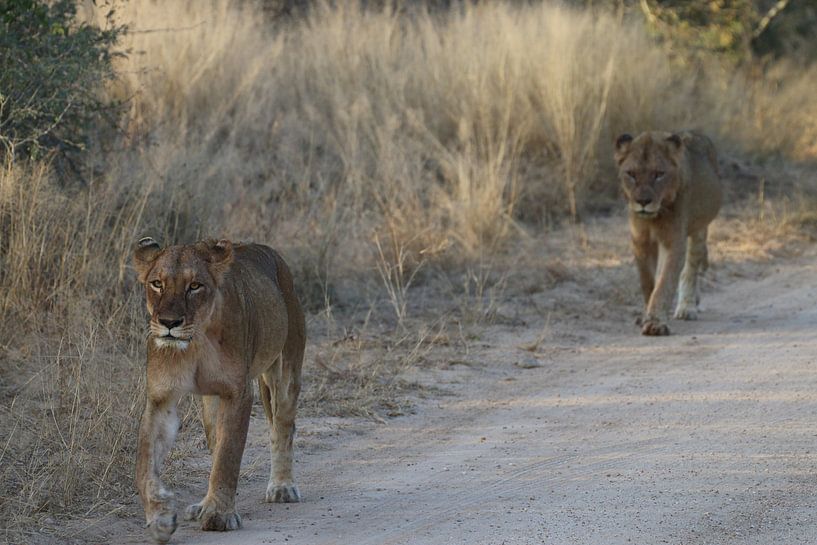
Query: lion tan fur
[[673, 191], [221, 314]]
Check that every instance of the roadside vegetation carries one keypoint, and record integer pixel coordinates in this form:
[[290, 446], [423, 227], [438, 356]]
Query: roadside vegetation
[[408, 164]]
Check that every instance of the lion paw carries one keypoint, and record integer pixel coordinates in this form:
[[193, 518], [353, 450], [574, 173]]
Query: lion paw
[[654, 328], [193, 512], [162, 526], [282, 493], [686, 314], [212, 519], [221, 522]]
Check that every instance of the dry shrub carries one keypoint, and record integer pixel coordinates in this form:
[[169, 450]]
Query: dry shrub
[[73, 326], [766, 114], [420, 121], [461, 123], [67, 335], [69, 434]]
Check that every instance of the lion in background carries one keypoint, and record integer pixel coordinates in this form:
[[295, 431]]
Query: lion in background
[[221, 314], [673, 189]]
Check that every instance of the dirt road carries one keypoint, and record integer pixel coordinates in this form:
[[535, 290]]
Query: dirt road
[[708, 436]]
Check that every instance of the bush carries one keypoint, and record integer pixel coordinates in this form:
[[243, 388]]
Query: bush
[[51, 72], [736, 30]]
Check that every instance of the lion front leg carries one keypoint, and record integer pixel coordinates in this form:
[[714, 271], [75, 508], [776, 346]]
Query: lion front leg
[[695, 263], [217, 510], [646, 258], [157, 432], [669, 261]]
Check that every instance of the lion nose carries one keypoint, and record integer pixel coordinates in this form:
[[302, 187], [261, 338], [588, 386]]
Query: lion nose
[[643, 202], [172, 322]]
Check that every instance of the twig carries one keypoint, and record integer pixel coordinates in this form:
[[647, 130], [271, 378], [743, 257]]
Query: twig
[[645, 7], [767, 19], [6, 446], [152, 30], [327, 367]]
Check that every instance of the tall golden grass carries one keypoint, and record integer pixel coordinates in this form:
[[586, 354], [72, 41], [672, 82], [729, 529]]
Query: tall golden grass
[[366, 145], [459, 123]]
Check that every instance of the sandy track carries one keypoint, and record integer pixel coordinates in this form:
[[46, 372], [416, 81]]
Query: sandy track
[[707, 437]]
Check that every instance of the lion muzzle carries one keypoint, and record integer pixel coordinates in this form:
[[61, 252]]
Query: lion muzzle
[[645, 210], [175, 337]]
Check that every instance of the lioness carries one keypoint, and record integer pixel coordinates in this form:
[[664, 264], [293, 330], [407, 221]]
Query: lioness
[[672, 184], [221, 314]]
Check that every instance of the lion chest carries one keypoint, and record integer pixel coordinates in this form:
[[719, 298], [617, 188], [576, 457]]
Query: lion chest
[[219, 371]]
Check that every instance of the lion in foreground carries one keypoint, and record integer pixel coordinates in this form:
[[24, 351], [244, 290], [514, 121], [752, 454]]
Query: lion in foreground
[[221, 314], [673, 189]]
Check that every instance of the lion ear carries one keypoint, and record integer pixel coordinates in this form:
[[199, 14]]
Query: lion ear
[[622, 147], [676, 141], [675, 147], [220, 258], [145, 253]]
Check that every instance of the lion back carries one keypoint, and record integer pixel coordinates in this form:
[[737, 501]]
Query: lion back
[[701, 148], [704, 183], [264, 260]]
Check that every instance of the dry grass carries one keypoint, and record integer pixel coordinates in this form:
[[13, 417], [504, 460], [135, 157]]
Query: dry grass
[[62, 346], [421, 126], [382, 154]]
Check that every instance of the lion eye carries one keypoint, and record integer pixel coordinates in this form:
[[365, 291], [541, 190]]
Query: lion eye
[[157, 284], [631, 174], [194, 286], [659, 174]]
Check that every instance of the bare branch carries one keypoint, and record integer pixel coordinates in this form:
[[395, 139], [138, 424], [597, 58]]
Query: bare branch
[[767, 19], [651, 18], [177, 29]]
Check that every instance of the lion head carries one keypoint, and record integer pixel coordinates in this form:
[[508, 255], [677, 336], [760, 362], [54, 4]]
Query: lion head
[[181, 287], [648, 168]]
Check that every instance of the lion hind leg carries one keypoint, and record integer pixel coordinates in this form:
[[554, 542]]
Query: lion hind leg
[[695, 263], [279, 394]]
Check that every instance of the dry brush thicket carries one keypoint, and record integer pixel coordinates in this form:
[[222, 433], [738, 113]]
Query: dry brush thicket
[[375, 150]]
